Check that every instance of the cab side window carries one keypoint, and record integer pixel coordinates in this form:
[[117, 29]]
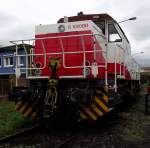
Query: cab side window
[[113, 35], [101, 25]]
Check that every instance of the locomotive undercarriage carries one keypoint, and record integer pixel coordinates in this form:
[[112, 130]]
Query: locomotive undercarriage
[[64, 100], [67, 102]]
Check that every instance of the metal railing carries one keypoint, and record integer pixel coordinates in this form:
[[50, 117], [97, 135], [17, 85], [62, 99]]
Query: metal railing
[[62, 52]]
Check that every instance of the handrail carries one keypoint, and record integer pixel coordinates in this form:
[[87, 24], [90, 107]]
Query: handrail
[[63, 52], [66, 36], [124, 52], [84, 57], [59, 53]]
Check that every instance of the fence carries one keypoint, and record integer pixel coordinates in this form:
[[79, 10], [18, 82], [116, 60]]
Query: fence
[[4, 87]]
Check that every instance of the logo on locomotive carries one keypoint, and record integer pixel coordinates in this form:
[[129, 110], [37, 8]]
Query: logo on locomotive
[[61, 28]]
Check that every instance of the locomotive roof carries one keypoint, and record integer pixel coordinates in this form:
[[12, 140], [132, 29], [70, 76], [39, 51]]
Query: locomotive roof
[[94, 17]]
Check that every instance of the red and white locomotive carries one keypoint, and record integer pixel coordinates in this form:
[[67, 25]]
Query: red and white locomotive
[[79, 69]]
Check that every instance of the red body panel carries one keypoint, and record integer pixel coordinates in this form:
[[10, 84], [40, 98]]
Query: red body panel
[[70, 44], [120, 69], [74, 44]]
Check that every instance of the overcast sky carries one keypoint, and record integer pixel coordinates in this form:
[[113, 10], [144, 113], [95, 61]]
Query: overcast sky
[[18, 18]]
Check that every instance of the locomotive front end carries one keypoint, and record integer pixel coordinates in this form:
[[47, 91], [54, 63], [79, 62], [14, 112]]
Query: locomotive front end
[[75, 70]]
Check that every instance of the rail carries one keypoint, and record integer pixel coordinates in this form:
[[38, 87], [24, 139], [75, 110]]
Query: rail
[[19, 133], [64, 143]]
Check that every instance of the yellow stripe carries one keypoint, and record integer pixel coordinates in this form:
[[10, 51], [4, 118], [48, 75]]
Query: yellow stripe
[[23, 108], [18, 104], [33, 115], [105, 98], [97, 110], [87, 110], [27, 112], [82, 115], [101, 104]]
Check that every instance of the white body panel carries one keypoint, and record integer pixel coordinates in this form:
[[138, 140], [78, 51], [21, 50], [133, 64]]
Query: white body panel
[[68, 27]]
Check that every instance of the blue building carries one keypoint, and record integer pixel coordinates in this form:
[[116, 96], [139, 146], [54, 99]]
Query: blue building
[[7, 68]]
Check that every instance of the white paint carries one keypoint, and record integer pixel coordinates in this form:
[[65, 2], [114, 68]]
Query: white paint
[[94, 69], [69, 27]]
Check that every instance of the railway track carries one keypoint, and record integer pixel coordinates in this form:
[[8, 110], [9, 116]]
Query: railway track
[[65, 142], [56, 139], [40, 138], [18, 133]]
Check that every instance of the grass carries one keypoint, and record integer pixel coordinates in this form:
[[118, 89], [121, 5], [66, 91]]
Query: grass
[[11, 120]]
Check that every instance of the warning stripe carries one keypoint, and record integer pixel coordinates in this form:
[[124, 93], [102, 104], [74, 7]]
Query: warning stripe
[[21, 110], [18, 105], [105, 97], [101, 104], [100, 108], [26, 108], [82, 115], [85, 113], [27, 112], [33, 116], [106, 93], [89, 113], [96, 109], [93, 111], [99, 94]]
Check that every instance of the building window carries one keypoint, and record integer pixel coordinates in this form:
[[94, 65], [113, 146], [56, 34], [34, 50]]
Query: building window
[[8, 61], [21, 60]]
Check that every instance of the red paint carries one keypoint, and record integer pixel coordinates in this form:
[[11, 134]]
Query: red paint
[[70, 44], [73, 44]]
